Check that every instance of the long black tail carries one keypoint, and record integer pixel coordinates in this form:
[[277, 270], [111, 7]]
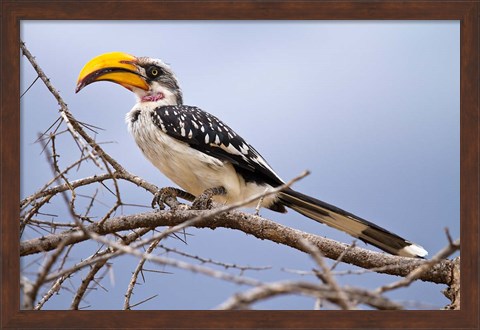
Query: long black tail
[[351, 224]]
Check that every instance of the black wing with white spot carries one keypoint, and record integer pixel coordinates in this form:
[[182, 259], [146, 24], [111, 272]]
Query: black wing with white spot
[[206, 133]]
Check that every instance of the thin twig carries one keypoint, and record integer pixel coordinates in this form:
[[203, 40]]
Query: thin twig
[[339, 259], [85, 283], [55, 288], [133, 280], [213, 262], [144, 301], [45, 269], [31, 85], [73, 126], [326, 276], [133, 250], [100, 256]]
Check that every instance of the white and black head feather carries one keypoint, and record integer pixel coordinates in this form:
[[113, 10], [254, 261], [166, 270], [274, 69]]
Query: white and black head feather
[[159, 76]]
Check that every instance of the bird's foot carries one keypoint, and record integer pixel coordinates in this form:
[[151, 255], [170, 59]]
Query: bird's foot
[[168, 196], [204, 200]]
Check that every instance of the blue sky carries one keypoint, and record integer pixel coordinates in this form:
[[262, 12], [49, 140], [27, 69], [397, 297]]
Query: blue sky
[[370, 108]]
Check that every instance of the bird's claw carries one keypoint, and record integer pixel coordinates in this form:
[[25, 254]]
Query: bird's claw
[[202, 202], [165, 196]]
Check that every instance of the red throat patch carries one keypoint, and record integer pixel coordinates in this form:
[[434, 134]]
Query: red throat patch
[[153, 98]]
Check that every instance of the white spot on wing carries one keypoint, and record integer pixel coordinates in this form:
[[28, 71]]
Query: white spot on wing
[[230, 149], [244, 149]]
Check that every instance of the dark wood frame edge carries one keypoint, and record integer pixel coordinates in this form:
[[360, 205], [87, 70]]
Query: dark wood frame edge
[[14, 11]]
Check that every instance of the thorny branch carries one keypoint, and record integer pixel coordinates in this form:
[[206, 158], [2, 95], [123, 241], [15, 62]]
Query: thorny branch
[[244, 300], [202, 260], [138, 269], [451, 248], [326, 276], [73, 126], [128, 230], [250, 224]]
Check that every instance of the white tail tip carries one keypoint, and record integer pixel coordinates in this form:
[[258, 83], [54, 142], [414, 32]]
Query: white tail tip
[[413, 250]]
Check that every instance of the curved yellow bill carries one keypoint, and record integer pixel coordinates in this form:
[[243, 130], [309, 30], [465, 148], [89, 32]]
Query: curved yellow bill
[[116, 67]]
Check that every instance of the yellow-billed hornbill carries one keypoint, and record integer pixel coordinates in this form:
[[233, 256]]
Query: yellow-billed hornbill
[[204, 156]]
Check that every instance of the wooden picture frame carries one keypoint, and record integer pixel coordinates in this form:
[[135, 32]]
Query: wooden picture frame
[[467, 12]]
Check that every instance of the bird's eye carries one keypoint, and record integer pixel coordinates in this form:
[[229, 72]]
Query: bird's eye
[[153, 71]]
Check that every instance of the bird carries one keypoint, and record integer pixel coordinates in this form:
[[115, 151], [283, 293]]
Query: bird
[[208, 159]]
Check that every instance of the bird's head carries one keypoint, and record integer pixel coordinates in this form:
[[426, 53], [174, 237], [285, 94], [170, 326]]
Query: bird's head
[[150, 79]]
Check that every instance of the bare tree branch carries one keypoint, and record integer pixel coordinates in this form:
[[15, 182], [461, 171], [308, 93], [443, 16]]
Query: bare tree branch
[[31, 295], [451, 248], [176, 263], [73, 126], [244, 300], [453, 291], [326, 275], [225, 265], [138, 269], [86, 282], [253, 225]]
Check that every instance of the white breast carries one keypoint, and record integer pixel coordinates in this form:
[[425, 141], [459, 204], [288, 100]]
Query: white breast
[[190, 169]]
